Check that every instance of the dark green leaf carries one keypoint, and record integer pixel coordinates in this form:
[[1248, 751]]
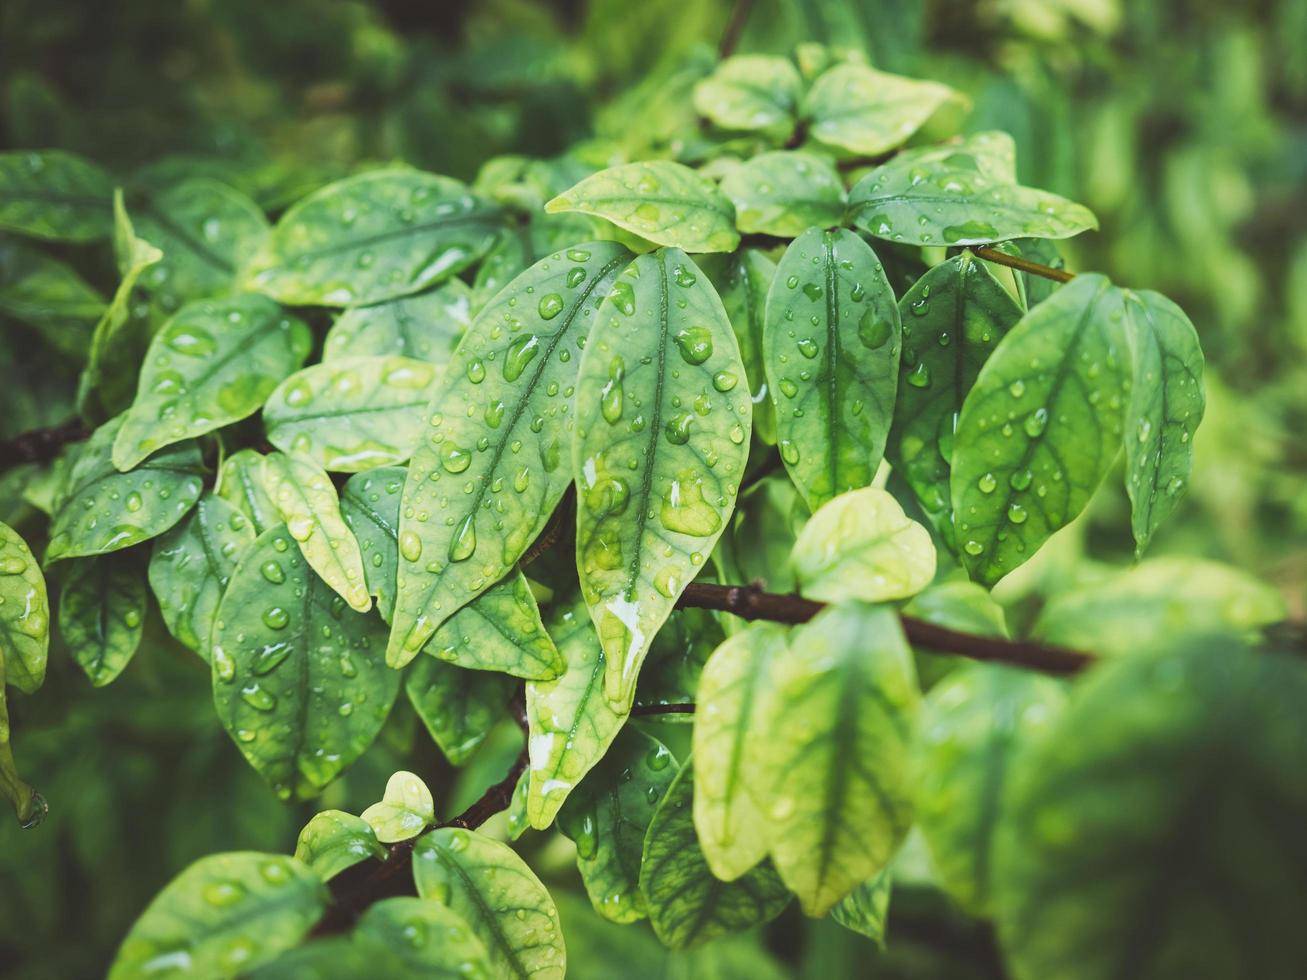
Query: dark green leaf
[[55, 195], [102, 613], [742, 280], [49, 297], [865, 909], [457, 705]]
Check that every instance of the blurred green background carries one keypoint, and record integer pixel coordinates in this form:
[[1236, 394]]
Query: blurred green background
[[1182, 123]]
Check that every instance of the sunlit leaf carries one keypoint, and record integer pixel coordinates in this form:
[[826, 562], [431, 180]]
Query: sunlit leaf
[[751, 92], [785, 193], [404, 810], [334, 840], [458, 706], [862, 110], [55, 195], [427, 939], [102, 612], [240, 483], [427, 326]]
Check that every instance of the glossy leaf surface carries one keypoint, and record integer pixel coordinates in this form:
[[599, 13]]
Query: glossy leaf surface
[[742, 280], [102, 613], [457, 706], [426, 326], [404, 810], [240, 483], [55, 195], [784, 193], [751, 92], [334, 840], [24, 614], [49, 297], [865, 111]]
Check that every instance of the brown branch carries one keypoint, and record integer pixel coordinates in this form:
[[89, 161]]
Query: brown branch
[[40, 445], [990, 254], [734, 28]]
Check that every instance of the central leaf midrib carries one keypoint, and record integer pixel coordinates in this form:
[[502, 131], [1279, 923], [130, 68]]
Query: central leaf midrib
[[832, 356], [486, 913], [470, 217]]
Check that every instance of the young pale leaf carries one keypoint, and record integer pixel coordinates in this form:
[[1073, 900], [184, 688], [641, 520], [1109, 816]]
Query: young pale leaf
[[240, 483], [306, 500], [831, 350], [869, 112], [352, 413], [972, 725], [752, 92], [191, 564], [1041, 426], [298, 679], [742, 280], [224, 915], [953, 317], [1147, 835], [212, 363], [688, 904], [498, 896], [427, 326], [1166, 405], [785, 193], [49, 297], [664, 202], [423, 938], [842, 722], [102, 613], [457, 706], [731, 750], [865, 909], [404, 810], [55, 195], [24, 615], [501, 426], [334, 840], [861, 545], [569, 721], [937, 197], [373, 237], [662, 432], [103, 510], [607, 816]]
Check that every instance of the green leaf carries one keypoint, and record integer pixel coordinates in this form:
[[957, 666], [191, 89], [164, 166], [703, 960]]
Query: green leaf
[[784, 193], [752, 92], [306, 500], [664, 202], [662, 432], [869, 112], [298, 679], [54, 195], [732, 749], [373, 237], [842, 720], [1149, 604], [49, 297], [206, 231], [936, 197], [352, 413], [953, 317], [973, 724], [224, 915], [102, 613], [427, 939], [1166, 406], [688, 905], [404, 810], [427, 326], [334, 840], [861, 545], [502, 423], [607, 816], [569, 721], [1149, 834], [499, 898], [191, 564], [29, 806], [1041, 426], [369, 502], [240, 483], [865, 909], [680, 649], [212, 363], [457, 706], [831, 349], [742, 280], [24, 614], [103, 510]]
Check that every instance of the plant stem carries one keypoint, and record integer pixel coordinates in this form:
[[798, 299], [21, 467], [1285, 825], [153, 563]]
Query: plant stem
[[990, 254], [734, 28], [40, 445]]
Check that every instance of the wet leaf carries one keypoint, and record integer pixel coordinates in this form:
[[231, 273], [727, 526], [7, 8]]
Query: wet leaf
[[501, 425], [842, 720], [352, 413], [953, 318], [753, 92], [55, 195], [424, 939], [664, 202], [457, 706], [785, 193], [306, 500], [1041, 426], [369, 502], [831, 350], [662, 434], [607, 817], [240, 483], [426, 326], [103, 510], [861, 545], [102, 613], [865, 909], [404, 810], [688, 905], [497, 895], [49, 297], [742, 280], [224, 915], [334, 840], [212, 363], [868, 112], [24, 614], [373, 237], [298, 678]]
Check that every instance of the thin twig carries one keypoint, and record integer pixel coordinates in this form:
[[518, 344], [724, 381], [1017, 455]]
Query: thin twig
[[40, 445], [734, 28], [990, 254]]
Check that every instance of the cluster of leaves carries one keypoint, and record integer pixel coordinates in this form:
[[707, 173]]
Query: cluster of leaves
[[545, 332]]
